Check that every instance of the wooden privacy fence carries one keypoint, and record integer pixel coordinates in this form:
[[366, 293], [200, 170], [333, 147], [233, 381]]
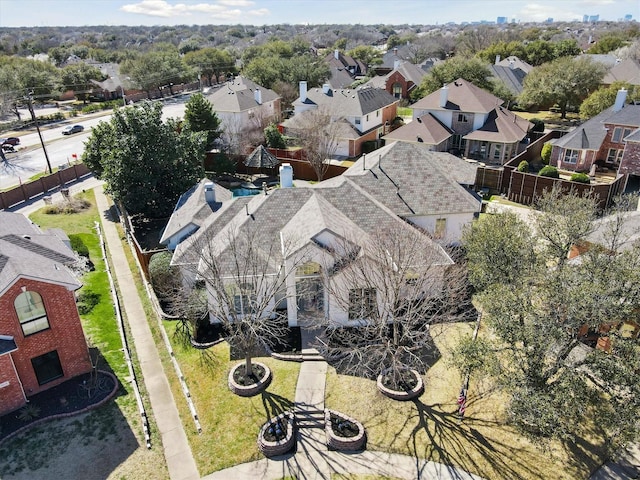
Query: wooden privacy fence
[[43, 185], [525, 187]]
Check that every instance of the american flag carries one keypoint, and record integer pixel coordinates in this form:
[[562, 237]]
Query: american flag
[[462, 402]]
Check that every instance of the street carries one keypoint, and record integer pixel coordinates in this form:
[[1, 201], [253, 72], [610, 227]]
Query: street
[[29, 158]]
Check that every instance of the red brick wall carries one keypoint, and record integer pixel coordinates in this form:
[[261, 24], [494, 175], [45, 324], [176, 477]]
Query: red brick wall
[[607, 143], [64, 335], [11, 396], [396, 77], [630, 163]]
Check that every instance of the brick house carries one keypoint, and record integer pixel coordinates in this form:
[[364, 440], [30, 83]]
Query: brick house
[[401, 81], [600, 141], [466, 120], [365, 114], [42, 342]]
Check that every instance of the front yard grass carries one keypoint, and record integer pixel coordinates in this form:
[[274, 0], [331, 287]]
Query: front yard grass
[[429, 428], [230, 424], [106, 442]]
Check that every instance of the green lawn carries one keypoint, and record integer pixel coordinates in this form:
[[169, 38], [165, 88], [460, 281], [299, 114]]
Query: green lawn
[[230, 423], [119, 420], [482, 444]]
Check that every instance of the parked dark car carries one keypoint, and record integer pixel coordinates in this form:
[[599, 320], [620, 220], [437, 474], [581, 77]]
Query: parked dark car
[[13, 141], [72, 129]]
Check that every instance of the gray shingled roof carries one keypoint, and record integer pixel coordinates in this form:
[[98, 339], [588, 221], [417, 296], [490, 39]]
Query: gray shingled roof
[[502, 125], [25, 251], [409, 179], [633, 137], [512, 78], [261, 158], [516, 63], [462, 96], [347, 102], [591, 134], [426, 129], [626, 71], [238, 95], [193, 209]]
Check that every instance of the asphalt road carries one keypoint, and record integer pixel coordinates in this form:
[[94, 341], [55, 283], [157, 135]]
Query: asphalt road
[[29, 158]]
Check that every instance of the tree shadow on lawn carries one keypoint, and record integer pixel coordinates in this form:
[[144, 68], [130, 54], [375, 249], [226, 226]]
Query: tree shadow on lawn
[[451, 442], [275, 404]]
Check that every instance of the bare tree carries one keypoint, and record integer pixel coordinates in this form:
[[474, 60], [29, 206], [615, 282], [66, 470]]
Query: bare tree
[[245, 276], [318, 132], [392, 289]]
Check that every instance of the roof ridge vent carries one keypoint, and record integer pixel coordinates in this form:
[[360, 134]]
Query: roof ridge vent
[[26, 237]]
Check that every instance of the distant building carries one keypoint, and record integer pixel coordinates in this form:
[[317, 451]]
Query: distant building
[[590, 18], [501, 20], [628, 17]]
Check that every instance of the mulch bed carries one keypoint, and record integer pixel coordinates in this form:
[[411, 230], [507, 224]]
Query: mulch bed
[[71, 397]]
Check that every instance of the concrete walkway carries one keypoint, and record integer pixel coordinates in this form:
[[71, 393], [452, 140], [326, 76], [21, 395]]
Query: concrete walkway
[[177, 453], [313, 461]]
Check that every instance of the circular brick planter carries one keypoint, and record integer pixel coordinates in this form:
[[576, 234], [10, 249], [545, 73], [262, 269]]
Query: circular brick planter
[[402, 395], [278, 447], [249, 390], [337, 442], [204, 346]]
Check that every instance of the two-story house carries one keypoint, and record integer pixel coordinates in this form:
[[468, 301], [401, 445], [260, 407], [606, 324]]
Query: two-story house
[[244, 107], [41, 339], [465, 120], [400, 81], [344, 70], [600, 141], [366, 113]]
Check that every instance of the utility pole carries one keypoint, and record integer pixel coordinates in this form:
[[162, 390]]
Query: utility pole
[[35, 119]]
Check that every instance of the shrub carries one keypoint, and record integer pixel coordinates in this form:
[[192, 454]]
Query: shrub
[[538, 125], [546, 153], [86, 301], [78, 245], [580, 178], [523, 166], [274, 137], [549, 171], [165, 279]]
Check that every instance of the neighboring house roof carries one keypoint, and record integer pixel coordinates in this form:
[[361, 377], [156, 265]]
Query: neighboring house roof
[[462, 96], [605, 59], [346, 102], [239, 95], [114, 81], [26, 251], [626, 71], [591, 134], [426, 129], [409, 71], [410, 179], [513, 78], [514, 62], [633, 137], [401, 52], [343, 69], [192, 208], [502, 126]]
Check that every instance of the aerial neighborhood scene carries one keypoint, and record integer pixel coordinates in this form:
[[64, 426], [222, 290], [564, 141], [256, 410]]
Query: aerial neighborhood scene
[[287, 240]]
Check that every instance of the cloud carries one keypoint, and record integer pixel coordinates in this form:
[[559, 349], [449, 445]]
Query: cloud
[[597, 3], [259, 13], [162, 8], [536, 12]]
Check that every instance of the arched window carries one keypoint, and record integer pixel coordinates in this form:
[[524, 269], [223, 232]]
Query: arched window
[[31, 312]]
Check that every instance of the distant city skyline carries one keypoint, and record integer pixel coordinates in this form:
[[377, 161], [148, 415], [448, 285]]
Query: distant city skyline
[[34, 13]]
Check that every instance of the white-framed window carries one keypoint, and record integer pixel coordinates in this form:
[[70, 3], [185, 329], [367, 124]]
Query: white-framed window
[[362, 303], [367, 118], [571, 156], [244, 298], [614, 155], [462, 118], [619, 133], [357, 121], [31, 312], [496, 151], [397, 90]]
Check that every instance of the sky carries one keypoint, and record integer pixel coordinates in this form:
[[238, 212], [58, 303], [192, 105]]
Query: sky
[[32, 13]]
